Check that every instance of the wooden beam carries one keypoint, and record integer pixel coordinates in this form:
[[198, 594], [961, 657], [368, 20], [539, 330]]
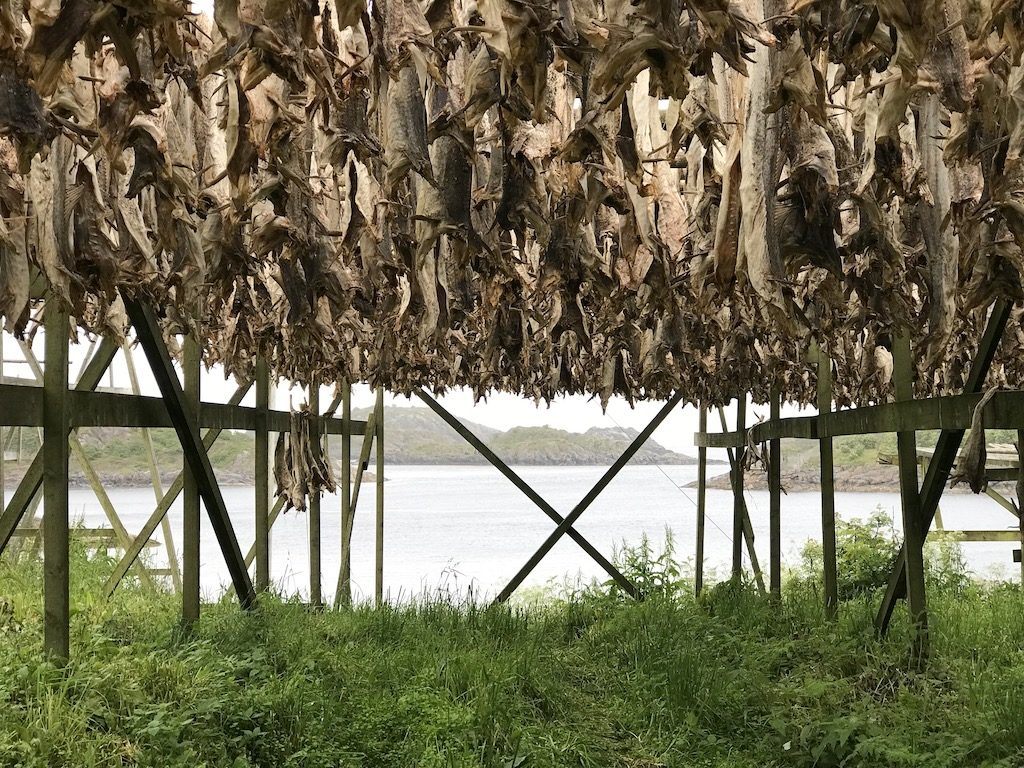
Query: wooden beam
[[55, 452], [910, 497], [702, 494], [1020, 496], [979, 536], [739, 506], [315, 583], [748, 529], [592, 494], [775, 503], [946, 448], [191, 512], [185, 424], [379, 483], [828, 502], [262, 460], [343, 591], [495, 461], [345, 570]]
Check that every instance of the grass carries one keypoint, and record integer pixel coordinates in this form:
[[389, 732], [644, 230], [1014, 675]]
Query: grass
[[584, 680]]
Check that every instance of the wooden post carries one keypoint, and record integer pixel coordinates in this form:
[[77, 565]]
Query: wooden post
[[1020, 497], [3, 443], [262, 458], [913, 524], [56, 425], [344, 596], [190, 533], [828, 500], [154, 476], [315, 596], [775, 503], [946, 448], [702, 493], [379, 427], [738, 507]]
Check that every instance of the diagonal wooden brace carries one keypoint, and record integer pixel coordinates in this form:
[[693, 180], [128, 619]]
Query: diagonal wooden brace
[[186, 424], [530, 493], [30, 484], [587, 500], [748, 528], [160, 513], [941, 464]]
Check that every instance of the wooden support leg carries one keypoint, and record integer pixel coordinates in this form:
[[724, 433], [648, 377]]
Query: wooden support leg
[[315, 596], [775, 504], [190, 589], [343, 593], [345, 571], [1020, 497], [702, 493], [913, 525], [262, 458], [738, 505], [56, 426], [184, 419], [586, 501], [946, 448], [748, 529], [378, 588], [828, 498]]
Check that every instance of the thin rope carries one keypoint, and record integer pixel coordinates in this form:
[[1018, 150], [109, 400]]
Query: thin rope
[[674, 484]]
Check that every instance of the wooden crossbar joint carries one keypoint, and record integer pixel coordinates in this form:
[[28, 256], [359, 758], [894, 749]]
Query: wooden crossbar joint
[[32, 480], [946, 448], [494, 460], [592, 494]]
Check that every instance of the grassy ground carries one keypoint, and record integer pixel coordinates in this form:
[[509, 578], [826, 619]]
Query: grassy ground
[[590, 680]]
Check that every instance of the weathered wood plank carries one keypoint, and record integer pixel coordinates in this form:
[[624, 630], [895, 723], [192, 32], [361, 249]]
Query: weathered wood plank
[[702, 494], [262, 460], [184, 417], [910, 497], [56, 454]]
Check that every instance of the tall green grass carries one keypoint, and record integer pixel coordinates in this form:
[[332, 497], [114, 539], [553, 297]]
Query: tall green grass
[[585, 679]]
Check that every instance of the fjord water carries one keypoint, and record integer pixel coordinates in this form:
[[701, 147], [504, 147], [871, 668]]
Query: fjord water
[[458, 528]]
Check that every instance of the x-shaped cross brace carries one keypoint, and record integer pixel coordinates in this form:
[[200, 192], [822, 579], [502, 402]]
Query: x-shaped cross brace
[[564, 524]]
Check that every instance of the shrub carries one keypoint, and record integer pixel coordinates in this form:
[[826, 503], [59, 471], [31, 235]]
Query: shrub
[[865, 553]]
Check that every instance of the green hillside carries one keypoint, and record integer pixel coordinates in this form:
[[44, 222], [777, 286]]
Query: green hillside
[[413, 436]]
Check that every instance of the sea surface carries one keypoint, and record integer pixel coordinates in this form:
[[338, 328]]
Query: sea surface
[[461, 528]]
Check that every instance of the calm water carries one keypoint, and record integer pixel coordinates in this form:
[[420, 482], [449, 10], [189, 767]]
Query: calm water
[[467, 526]]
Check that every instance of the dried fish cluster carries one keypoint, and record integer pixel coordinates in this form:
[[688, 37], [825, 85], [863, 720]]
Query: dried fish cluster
[[302, 467], [535, 196]]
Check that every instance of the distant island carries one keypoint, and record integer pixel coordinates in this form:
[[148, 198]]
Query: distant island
[[413, 435]]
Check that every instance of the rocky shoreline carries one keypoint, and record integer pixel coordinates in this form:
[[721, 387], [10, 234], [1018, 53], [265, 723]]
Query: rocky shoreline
[[879, 478]]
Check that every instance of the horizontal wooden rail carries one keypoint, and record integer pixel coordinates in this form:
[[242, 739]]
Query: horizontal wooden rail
[[952, 412], [22, 406]]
